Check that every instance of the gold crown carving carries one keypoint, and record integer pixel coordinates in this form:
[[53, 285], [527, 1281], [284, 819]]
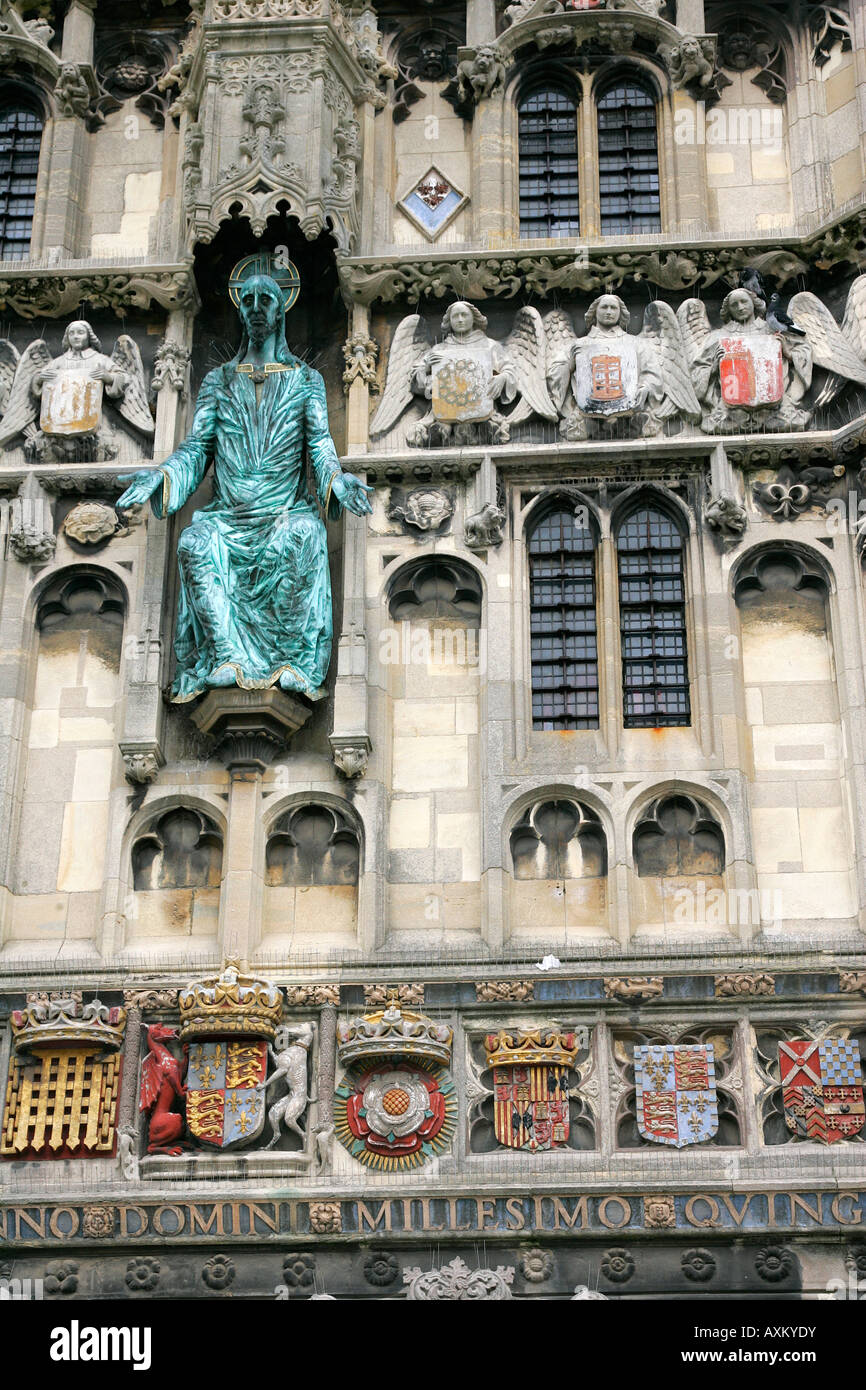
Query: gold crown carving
[[230, 1002], [527, 1047], [61, 1023], [393, 1032]]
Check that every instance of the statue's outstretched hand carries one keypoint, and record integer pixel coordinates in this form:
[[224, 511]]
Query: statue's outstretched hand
[[141, 486], [352, 493]]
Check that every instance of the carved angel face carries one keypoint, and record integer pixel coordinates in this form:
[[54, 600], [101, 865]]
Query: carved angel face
[[608, 311], [739, 306], [462, 318], [78, 336]]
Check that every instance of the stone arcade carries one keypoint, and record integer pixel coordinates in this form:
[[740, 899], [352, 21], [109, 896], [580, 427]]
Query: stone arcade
[[480, 867]]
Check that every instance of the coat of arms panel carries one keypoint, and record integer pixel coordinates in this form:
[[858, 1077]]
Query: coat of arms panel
[[676, 1093]]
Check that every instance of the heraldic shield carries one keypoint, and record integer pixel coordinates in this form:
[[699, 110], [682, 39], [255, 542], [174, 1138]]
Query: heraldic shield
[[822, 1089], [676, 1094], [751, 370], [224, 1105], [530, 1106]]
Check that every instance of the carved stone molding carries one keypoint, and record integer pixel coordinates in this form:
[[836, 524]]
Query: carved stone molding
[[633, 987], [406, 994], [301, 996], [41, 292], [514, 273], [150, 1000], [727, 986], [852, 981], [504, 991], [455, 1282]]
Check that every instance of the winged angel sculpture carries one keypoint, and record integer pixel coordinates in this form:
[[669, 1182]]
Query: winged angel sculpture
[[465, 379], [749, 375], [55, 404], [611, 376]]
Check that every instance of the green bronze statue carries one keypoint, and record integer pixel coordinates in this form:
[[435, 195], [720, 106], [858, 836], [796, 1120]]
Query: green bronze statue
[[255, 593]]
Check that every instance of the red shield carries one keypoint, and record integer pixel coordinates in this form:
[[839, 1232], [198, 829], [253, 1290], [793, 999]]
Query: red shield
[[822, 1089], [751, 370], [531, 1106]]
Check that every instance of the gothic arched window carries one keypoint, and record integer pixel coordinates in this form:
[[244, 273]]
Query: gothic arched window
[[563, 626], [547, 146], [652, 616], [20, 140], [628, 162]]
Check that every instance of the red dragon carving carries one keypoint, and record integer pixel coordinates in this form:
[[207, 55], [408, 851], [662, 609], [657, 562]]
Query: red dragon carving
[[161, 1085]]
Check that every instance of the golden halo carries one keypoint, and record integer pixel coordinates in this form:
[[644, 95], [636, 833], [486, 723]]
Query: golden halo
[[266, 263]]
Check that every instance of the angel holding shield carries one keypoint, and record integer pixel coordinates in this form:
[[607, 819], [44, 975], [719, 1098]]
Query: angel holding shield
[[746, 375], [465, 377], [611, 375], [66, 393]]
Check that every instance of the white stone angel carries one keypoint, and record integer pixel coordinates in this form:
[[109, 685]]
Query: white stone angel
[[465, 378], [747, 375], [55, 404], [610, 375]]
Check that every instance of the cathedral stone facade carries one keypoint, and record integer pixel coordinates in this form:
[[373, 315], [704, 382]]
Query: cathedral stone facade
[[523, 957]]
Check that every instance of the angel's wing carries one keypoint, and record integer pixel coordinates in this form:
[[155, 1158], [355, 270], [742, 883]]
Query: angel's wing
[[527, 349], [133, 403], [831, 349], [854, 322], [408, 346], [9, 359], [661, 327], [694, 325], [22, 405], [560, 336]]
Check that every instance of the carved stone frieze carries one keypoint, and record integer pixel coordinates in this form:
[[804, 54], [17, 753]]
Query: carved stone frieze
[[150, 1000], [733, 985], [504, 991], [406, 994], [312, 996], [852, 981], [47, 293], [633, 987], [456, 1282]]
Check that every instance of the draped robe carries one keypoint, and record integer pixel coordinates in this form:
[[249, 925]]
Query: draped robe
[[254, 608]]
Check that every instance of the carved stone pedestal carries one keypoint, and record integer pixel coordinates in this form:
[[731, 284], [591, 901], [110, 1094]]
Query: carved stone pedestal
[[250, 727]]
